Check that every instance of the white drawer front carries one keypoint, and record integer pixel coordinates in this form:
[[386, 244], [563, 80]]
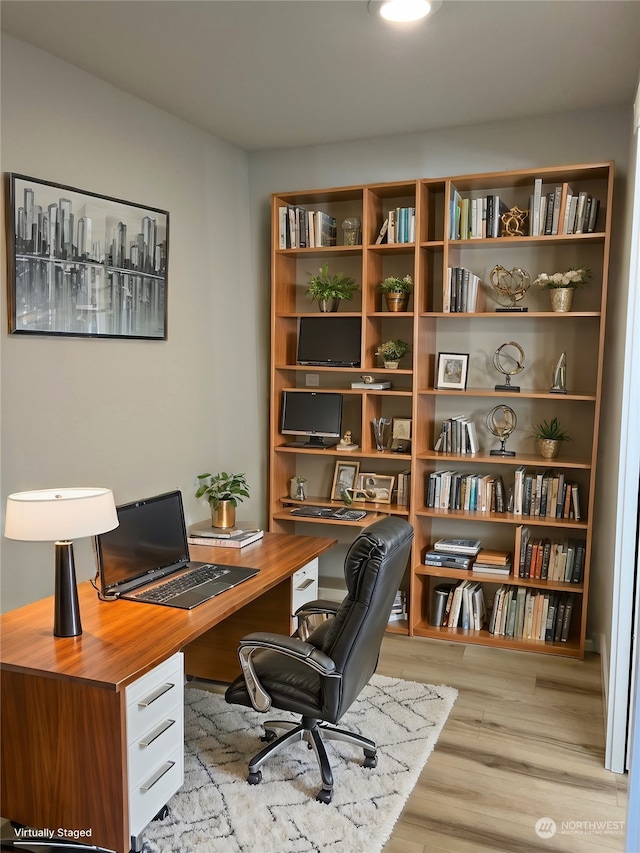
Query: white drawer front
[[151, 793], [304, 585], [152, 697], [149, 750]]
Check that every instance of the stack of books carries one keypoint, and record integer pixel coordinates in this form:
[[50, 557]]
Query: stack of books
[[493, 562], [452, 553], [224, 537], [399, 609]]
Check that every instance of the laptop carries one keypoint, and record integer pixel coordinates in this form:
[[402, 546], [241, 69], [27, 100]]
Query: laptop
[[146, 558]]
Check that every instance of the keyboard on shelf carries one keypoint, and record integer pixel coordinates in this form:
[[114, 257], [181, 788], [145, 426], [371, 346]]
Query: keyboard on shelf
[[340, 514], [191, 579]]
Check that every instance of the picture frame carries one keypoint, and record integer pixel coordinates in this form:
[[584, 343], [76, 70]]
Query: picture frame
[[401, 435], [345, 476], [451, 371], [377, 487], [84, 265], [357, 495]]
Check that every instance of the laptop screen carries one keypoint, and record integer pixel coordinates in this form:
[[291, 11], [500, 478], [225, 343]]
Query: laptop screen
[[151, 536]]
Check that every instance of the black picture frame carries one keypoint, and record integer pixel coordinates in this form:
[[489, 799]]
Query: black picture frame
[[84, 265], [451, 371]]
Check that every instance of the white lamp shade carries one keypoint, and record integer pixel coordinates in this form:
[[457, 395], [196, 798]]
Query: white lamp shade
[[52, 515]]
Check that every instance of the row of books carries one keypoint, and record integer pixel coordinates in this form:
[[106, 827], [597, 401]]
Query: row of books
[[399, 607], [475, 218], [399, 226], [461, 291], [541, 558], [458, 435], [456, 490], [465, 606], [531, 614], [544, 494], [562, 211], [403, 488], [300, 228]]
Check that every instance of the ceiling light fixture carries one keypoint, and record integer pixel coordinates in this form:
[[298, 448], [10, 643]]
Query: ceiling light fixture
[[403, 11]]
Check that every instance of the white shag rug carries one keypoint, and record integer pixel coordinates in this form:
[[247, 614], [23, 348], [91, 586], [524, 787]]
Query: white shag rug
[[217, 811]]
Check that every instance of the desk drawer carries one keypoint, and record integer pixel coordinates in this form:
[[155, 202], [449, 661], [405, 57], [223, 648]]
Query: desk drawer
[[151, 748], [151, 793], [304, 585], [151, 698]]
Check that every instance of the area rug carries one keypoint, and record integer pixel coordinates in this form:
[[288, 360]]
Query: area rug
[[217, 811]]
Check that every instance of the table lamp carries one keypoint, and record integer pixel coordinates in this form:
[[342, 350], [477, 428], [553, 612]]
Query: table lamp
[[60, 515]]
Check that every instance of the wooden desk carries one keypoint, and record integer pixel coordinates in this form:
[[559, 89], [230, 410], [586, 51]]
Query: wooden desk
[[63, 736]]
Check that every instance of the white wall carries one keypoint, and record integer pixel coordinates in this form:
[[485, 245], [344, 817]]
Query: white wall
[[139, 417], [580, 137]]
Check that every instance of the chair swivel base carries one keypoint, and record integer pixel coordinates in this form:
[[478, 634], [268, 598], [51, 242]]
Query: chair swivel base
[[313, 732]]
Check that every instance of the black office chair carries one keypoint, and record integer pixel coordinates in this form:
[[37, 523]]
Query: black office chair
[[321, 677]]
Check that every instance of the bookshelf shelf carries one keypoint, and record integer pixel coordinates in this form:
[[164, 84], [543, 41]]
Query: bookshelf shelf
[[429, 208]]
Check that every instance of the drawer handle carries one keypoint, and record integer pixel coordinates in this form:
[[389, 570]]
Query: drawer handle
[[162, 728], [156, 694], [157, 776], [305, 584]]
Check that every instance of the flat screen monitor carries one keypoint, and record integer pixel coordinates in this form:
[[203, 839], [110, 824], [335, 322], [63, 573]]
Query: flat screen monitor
[[313, 414], [150, 539], [329, 341]]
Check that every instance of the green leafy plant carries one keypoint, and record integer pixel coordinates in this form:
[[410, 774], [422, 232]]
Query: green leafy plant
[[327, 286], [393, 350], [572, 278], [223, 487], [393, 284], [551, 431]]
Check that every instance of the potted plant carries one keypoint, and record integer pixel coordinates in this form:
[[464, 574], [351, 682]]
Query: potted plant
[[549, 434], [562, 285], [224, 492], [392, 352], [329, 289], [396, 292]]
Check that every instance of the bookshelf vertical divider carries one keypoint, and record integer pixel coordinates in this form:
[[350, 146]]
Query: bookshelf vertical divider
[[427, 243]]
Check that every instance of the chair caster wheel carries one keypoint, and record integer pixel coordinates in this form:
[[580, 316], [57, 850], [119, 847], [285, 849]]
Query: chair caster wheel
[[268, 736], [370, 759], [255, 778], [324, 796]]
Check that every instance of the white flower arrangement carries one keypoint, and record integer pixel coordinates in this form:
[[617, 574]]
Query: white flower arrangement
[[572, 278]]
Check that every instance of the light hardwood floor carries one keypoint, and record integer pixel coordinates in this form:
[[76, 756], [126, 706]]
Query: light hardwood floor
[[525, 741]]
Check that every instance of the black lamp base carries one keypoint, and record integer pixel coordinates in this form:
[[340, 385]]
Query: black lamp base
[[66, 619]]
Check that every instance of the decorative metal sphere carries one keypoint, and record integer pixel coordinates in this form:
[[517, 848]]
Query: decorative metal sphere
[[509, 358], [501, 422], [509, 285]]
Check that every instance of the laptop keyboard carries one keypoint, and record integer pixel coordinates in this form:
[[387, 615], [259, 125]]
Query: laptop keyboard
[[195, 577], [340, 514]]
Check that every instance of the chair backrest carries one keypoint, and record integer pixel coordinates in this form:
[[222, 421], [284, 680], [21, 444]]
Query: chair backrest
[[374, 566]]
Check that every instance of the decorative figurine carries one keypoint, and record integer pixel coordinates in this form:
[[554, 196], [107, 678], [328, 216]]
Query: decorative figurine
[[501, 421], [560, 376], [513, 222], [510, 286], [346, 442], [510, 363]]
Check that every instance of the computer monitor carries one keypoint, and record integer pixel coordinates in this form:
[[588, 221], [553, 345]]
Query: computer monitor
[[313, 414], [329, 341]]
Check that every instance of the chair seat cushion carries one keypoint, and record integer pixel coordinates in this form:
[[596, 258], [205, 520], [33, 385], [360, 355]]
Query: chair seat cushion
[[292, 685]]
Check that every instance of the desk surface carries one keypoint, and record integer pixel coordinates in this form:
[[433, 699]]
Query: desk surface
[[122, 640]]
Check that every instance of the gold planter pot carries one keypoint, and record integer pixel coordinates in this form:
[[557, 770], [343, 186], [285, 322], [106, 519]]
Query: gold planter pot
[[549, 447], [224, 515], [561, 299], [396, 301]]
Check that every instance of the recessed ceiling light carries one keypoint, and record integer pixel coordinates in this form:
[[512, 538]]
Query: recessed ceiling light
[[403, 11]]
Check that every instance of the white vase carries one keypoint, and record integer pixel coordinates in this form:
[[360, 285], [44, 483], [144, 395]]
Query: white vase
[[391, 365]]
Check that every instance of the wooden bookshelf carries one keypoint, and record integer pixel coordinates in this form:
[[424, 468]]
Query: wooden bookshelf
[[543, 334]]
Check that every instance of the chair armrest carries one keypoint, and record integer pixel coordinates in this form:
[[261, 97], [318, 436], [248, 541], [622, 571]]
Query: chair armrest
[[321, 605], [288, 646]]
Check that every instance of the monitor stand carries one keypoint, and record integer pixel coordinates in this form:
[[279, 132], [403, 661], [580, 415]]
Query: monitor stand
[[316, 442]]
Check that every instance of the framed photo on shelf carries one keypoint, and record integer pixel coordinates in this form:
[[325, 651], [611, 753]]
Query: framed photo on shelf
[[85, 265], [401, 435], [451, 371], [345, 476], [377, 487]]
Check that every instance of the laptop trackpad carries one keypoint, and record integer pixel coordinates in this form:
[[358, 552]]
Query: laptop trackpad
[[192, 597]]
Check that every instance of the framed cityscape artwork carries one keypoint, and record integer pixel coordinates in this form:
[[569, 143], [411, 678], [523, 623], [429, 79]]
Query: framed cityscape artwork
[[83, 264]]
